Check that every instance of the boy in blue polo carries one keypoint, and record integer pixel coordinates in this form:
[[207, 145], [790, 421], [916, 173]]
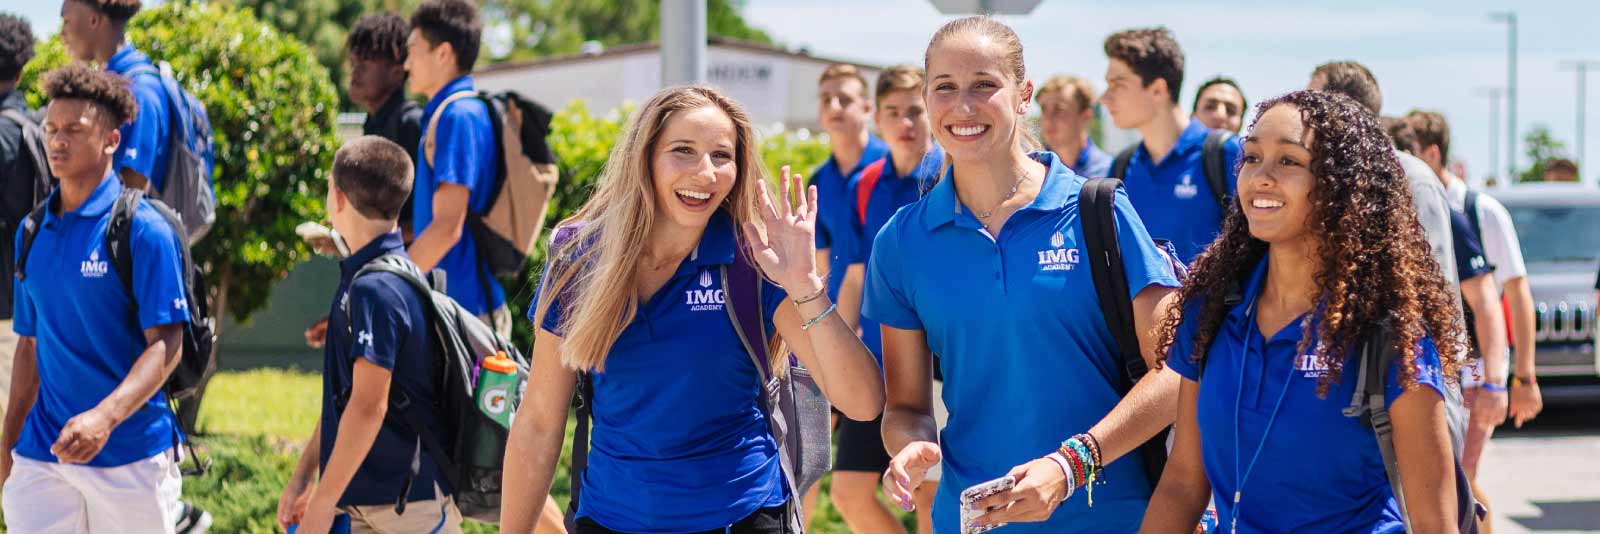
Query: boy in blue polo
[[90, 438], [1066, 109], [96, 31], [845, 112], [378, 338], [1165, 175], [458, 177]]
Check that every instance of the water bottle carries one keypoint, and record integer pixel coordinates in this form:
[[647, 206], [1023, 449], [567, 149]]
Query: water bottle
[[496, 385]]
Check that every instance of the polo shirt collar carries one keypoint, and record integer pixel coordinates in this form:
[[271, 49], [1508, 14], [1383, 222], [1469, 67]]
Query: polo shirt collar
[[717, 243], [1252, 290], [383, 244], [463, 83], [1192, 138], [94, 207], [1053, 195], [875, 150], [927, 168], [1083, 155]]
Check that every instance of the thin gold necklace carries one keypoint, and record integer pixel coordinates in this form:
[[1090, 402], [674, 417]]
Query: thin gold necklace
[[1014, 187]]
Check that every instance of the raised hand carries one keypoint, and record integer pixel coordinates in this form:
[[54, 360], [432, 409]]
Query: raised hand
[[788, 251]]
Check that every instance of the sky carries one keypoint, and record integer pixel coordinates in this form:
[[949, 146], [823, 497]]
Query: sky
[[1441, 55], [1429, 54]]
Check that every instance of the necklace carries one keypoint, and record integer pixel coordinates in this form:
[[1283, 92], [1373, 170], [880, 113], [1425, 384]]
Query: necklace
[[1014, 187]]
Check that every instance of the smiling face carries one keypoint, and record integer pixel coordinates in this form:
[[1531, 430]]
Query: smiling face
[[976, 107], [1275, 180], [903, 122], [693, 165]]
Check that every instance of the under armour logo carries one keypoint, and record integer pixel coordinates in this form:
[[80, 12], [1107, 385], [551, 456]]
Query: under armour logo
[[364, 338], [180, 303]]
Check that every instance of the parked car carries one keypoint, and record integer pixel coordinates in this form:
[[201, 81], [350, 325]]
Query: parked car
[[1559, 227]]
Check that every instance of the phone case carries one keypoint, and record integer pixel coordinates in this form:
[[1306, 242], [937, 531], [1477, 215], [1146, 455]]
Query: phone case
[[977, 493]]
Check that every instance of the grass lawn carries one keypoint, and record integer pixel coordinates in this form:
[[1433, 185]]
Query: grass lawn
[[254, 425]]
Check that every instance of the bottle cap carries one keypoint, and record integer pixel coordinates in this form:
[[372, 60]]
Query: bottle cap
[[500, 363]]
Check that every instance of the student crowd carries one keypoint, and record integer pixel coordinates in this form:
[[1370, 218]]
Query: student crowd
[[974, 300]]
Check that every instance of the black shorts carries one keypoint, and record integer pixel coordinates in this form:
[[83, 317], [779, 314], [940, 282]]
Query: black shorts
[[763, 521], [860, 446]]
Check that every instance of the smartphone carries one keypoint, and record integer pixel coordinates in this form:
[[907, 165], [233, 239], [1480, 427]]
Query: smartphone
[[322, 239], [977, 493]]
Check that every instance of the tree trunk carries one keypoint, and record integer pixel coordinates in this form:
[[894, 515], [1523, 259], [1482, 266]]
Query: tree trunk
[[189, 410]]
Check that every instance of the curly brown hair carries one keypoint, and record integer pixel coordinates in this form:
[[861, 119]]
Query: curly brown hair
[[104, 89], [118, 10], [1375, 267]]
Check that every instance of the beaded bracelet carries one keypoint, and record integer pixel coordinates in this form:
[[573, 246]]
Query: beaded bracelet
[[1094, 446], [819, 318], [1083, 451]]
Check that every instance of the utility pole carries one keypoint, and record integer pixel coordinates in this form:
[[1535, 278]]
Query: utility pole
[[683, 42], [1582, 67], [1510, 18]]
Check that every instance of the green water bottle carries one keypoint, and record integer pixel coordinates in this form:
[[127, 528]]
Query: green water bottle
[[494, 396]]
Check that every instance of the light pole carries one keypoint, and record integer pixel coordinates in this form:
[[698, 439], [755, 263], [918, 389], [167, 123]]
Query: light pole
[[1494, 94], [1510, 18], [683, 42], [1582, 67]]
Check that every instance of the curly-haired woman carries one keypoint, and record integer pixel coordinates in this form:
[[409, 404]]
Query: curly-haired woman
[[1323, 251]]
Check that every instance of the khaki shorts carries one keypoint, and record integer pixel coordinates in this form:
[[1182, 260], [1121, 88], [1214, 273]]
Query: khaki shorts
[[435, 516]]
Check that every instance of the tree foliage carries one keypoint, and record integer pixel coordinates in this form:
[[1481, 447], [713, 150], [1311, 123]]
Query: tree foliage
[[272, 110], [1541, 148]]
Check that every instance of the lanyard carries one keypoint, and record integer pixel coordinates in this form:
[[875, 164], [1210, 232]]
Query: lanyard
[[1238, 402]]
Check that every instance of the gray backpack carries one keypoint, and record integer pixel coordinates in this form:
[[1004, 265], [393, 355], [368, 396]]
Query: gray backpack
[[795, 407], [186, 187]]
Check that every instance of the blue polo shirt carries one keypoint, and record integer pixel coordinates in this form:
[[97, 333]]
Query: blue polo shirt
[[387, 326], [464, 154], [679, 442], [890, 192], [1174, 197], [144, 139], [1024, 350], [1092, 162], [1319, 471], [836, 210], [89, 330]]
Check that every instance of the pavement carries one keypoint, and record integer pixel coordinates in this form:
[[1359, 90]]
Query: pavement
[[1545, 477]]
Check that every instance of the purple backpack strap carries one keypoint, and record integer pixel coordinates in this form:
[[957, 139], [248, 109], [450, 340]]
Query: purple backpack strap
[[742, 288]]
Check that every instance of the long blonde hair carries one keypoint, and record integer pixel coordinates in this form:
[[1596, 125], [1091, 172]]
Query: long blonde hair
[[594, 271]]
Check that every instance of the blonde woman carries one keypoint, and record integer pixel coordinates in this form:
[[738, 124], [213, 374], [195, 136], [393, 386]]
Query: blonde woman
[[679, 442]]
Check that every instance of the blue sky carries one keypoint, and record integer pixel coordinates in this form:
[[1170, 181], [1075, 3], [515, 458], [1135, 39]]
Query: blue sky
[[1432, 54]]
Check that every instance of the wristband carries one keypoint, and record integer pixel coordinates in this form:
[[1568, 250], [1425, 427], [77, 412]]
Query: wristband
[[819, 318], [1519, 381], [1072, 483], [1497, 388]]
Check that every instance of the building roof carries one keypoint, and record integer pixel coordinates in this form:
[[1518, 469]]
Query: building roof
[[651, 48]]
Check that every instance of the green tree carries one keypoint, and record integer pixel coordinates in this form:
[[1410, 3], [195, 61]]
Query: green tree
[[272, 110], [322, 25], [1541, 148], [543, 28]]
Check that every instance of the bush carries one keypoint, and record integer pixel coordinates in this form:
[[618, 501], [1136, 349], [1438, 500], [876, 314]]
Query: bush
[[272, 110]]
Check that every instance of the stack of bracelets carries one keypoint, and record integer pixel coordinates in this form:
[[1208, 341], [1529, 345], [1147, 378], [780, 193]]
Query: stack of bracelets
[[1079, 458]]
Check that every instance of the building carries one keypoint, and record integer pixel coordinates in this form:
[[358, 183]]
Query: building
[[773, 84]]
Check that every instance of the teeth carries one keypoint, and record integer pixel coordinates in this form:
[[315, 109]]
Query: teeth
[[1265, 203], [697, 195], [968, 130]]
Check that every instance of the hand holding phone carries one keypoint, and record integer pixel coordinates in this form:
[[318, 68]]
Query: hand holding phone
[[970, 496]]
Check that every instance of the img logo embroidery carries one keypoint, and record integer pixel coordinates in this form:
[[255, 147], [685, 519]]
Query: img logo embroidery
[[1185, 190], [1058, 258], [705, 299], [1310, 366], [93, 267]]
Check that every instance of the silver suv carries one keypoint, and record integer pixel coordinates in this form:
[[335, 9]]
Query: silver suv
[[1559, 226]]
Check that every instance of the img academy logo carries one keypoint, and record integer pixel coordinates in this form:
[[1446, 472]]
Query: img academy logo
[[1058, 257], [705, 298], [1187, 189], [93, 267]]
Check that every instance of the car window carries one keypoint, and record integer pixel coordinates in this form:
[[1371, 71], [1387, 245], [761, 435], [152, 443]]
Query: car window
[[1558, 233]]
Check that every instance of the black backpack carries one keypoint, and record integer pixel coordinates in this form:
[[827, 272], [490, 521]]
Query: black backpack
[[1097, 214], [26, 184], [1214, 155], [199, 334], [460, 342]]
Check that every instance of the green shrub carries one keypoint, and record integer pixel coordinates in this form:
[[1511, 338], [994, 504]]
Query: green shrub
[[272, 110]]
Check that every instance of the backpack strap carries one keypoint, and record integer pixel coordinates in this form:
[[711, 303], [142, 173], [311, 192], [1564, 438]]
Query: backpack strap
[[1097, 215], [1377, 354], [401, 409], [1213, 153], [1119, 166], [119, 235], [30, 230], [864, 186], [429, 132]]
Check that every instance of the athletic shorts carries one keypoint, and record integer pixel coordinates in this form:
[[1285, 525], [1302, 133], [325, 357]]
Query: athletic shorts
[[860, 446]]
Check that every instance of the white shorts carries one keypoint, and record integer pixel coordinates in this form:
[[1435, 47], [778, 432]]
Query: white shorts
[[138, 498], [941, 417]]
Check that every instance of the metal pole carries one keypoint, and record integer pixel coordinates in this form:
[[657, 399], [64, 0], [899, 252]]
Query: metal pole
[[683, 42], [1511, 99], [1582, 67]]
